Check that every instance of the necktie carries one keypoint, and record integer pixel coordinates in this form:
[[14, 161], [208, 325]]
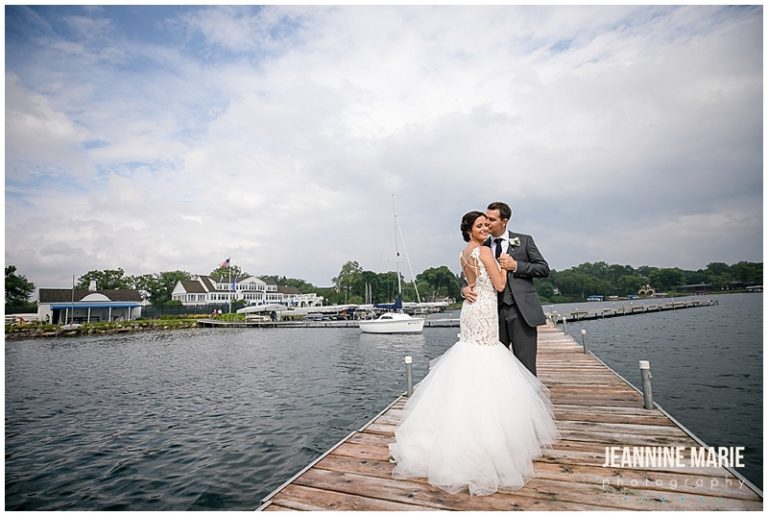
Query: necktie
[[498, 242]]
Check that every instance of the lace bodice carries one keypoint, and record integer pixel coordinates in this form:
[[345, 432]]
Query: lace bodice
[[479, 321]]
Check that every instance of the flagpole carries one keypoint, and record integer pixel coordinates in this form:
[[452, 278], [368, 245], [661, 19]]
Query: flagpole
[[72, 315], [229, 268]]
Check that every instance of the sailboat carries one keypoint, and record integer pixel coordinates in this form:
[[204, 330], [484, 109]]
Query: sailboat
[[395, 321]]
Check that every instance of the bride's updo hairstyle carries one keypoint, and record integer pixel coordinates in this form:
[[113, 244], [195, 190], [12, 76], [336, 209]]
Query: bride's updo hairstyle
[[467, 221]]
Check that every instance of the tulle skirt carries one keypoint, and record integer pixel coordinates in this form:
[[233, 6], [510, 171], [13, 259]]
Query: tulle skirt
[[476, 421]]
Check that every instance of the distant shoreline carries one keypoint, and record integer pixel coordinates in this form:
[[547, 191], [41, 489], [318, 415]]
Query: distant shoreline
[[32, 331]]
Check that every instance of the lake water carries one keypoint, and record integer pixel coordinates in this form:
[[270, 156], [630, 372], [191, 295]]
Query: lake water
[[216, 419], [706, 363]]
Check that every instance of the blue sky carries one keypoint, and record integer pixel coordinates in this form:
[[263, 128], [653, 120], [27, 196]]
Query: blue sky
[[162, 138]]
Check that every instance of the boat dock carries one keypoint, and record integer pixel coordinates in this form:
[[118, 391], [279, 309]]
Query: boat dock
[[631, 309], [214, 323], [595, 408], [454, 322]]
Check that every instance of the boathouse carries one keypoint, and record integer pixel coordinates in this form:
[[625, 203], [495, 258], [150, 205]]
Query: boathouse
[[65, 305], [697, 288]]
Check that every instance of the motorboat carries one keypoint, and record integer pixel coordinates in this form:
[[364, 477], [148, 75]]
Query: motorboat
[[393, 322]]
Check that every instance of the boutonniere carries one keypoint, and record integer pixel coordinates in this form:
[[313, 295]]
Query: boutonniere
[[514, 242]]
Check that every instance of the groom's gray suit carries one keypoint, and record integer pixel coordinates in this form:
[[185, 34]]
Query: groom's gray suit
[[520, 310]]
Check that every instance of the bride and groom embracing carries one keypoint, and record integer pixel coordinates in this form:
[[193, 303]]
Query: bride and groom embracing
[[480, 416]]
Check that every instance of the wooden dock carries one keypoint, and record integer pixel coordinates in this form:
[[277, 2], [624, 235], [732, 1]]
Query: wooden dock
[[595, 408], [631, 309]]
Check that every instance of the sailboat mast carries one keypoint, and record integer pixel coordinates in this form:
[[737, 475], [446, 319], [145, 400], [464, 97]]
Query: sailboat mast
[[397, 252], [399, 232]]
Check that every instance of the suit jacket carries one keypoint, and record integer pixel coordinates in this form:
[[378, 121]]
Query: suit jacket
[[520, 289]]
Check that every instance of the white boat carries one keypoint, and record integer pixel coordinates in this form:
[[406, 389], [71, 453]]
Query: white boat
[[393, 322]]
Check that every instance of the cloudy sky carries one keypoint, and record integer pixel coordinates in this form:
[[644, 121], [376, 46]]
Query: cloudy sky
[[164, 138]]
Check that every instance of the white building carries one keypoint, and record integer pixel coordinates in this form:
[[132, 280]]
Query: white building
[[204, 290], [63, 305]]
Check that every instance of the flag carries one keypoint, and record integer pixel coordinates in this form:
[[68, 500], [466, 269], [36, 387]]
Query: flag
[[225, 263], [234, 285]]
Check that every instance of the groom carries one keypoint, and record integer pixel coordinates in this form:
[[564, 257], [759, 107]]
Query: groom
[[520, 311]]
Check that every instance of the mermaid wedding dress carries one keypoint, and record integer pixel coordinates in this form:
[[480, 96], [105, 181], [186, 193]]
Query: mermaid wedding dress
[[479, 418]]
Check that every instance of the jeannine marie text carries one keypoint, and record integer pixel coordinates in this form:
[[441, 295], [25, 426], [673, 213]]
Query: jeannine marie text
[[674, 457]]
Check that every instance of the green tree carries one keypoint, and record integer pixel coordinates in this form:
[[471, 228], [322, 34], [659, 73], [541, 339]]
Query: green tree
[[748, 272], [376, 283], [329, 294], [145, 284], [629, 284], [107, 279], [223, 274], [438, 282], [18, 288], [348, 282], [282, 281], [387, 287], [159, 286], [576, 283], [695, 277], [545, 288], [645, 271], [666, 279], [718, 268]]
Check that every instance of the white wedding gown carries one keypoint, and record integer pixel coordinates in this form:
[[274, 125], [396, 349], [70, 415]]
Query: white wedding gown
[[479, 418]]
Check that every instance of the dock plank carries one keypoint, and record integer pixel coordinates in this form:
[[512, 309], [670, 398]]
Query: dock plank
[[594, 409]]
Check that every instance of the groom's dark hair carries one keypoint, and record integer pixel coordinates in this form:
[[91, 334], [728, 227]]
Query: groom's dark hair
[[505, 212]]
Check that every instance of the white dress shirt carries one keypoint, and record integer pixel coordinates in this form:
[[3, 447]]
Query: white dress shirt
[[504, 243]]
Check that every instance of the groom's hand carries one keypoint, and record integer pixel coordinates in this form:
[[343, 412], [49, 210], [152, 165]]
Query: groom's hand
[[469, 293], [508, 263]]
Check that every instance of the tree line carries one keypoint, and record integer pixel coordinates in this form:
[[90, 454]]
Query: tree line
[[576, 283], [355, 285]]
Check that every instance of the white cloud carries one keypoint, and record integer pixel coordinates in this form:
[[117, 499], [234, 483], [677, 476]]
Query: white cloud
[[280, 140], [38, 135]]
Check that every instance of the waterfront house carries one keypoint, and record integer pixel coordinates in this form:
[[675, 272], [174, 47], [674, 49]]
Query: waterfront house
[[204, 290], [697, 288], [66, 305], [646, 290]]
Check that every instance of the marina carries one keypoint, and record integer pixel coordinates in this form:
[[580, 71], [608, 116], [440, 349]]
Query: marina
[[213, 323], [573, 316], [595, 408]]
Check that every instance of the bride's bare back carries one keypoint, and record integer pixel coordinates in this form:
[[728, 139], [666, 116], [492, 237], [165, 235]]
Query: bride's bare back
[[471, 262]]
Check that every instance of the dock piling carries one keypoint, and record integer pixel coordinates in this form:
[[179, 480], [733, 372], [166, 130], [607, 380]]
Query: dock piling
[[565, 324], [584, 340], [409, 375], [645, 373]]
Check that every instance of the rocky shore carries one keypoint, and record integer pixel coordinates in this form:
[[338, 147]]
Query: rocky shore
[[45, 331]]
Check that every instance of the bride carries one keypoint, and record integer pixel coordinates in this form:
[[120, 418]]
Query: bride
[[479, 418]]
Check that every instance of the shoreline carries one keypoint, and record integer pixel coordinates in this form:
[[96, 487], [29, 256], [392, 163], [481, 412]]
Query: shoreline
[[32, 331]]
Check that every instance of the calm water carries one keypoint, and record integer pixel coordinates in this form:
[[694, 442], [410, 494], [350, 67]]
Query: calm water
[[207, 419], [216, 419], [706, 363]]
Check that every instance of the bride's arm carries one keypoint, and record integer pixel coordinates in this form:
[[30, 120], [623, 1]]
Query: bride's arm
[[498, 276]]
